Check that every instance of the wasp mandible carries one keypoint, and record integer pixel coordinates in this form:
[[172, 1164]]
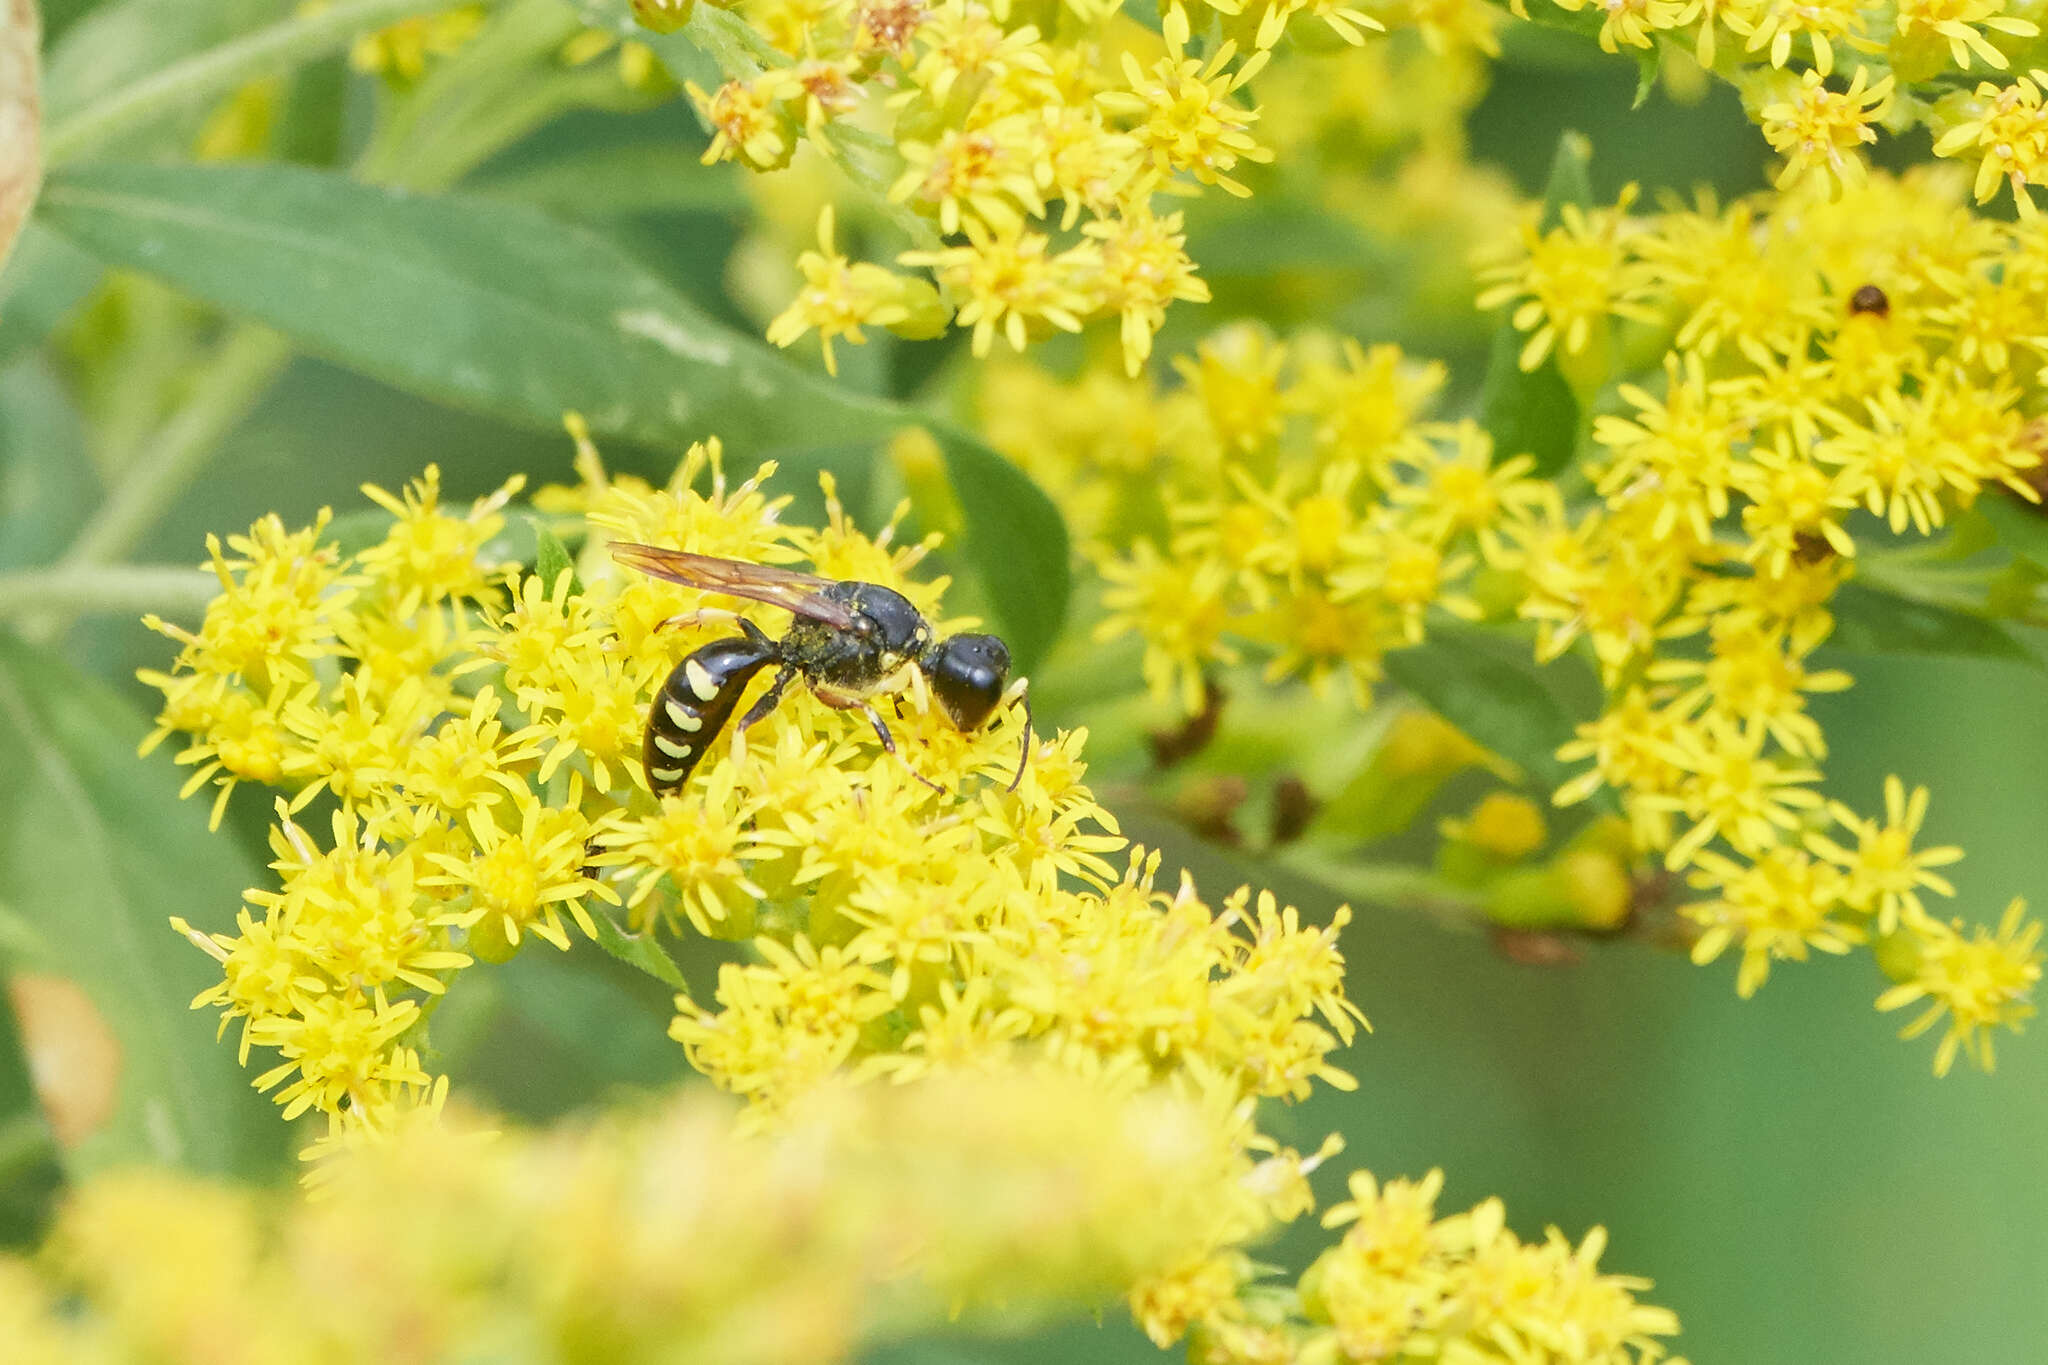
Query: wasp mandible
[[850, 643]]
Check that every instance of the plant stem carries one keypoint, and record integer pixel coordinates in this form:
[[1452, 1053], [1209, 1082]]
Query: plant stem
[[113, 589], [220, 69], [243, 367]]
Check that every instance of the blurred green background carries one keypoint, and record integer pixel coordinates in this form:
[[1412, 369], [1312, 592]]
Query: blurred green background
[[1798, 1185]]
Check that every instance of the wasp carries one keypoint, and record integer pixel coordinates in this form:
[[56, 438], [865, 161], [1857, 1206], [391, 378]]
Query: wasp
[[850, 643]]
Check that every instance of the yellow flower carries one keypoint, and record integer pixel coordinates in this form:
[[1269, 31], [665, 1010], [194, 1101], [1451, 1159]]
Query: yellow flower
[[1791, 499], [1144, 267], [523, 878], [1774, 24], [1184, 116], [1755, 680], [1959, 21], [1575, 275], [1179, 608], [2010, 127], [840, 297], [1821, 133], [1633, 23], [782, 1025], [1885, 873], [1012, 280], [1677, 450], [748, 123], [1981, 982], [429, 557], [1777, 907], [1732, 791]]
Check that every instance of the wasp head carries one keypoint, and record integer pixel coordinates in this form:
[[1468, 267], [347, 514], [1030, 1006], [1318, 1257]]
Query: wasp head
[[967, 674]]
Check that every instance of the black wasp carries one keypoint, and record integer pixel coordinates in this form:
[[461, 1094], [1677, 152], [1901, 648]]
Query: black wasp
[[850, 642]]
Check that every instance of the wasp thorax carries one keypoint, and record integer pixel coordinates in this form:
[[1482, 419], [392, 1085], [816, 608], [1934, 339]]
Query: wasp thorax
[[899, 628], [967, 674]]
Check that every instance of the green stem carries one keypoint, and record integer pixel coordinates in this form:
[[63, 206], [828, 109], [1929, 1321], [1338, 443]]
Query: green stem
[[107, 589], [221, 69], [242, 368]]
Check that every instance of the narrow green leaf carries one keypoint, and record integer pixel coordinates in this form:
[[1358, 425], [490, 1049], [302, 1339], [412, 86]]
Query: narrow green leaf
[[1571, 178], [123, 44], [1872, 620], [1648, 63], [1500, 700], [96, 853], [2022, 527], [47, 483], [551, 558], [637, 950], [1527, 412], [45, 279], [495, 307], [1534, 412]]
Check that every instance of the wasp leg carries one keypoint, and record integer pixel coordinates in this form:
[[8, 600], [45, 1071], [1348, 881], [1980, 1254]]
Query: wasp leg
[[841, 701], [889, 746], [881, 731], [703, 616], [1024, 749], [768, 702]]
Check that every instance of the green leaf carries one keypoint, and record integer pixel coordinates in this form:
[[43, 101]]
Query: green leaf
[[1275, 234], [120, 44], [495, 307], [45, 279], [1534, 412], [1571, 178], [1872, 620], [1527, 412], [552, 559], [1648, 63], [1493, 693], [586, 183], [96, 853], [47, 483], [2022, 526], [637, 950]]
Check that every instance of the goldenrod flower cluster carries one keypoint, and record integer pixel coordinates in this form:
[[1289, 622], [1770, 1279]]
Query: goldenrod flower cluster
[[1822, 79], [1031, 152], [473, 729], [1840, 375], [1836, 374], [657, 1234], [1403, 1283]]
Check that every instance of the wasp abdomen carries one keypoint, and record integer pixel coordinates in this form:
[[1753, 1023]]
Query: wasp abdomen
[[694, 704]]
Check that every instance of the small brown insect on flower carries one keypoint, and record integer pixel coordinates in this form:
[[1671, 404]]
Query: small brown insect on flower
[[1869, 299], [1810, 549]]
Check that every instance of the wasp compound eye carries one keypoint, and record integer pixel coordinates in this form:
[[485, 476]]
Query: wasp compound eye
[[967, 675]]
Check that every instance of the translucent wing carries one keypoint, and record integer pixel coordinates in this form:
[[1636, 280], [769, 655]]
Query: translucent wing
[[789, 589]]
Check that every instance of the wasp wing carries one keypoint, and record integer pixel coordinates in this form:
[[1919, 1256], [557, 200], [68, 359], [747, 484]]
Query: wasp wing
[[790, 589]]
